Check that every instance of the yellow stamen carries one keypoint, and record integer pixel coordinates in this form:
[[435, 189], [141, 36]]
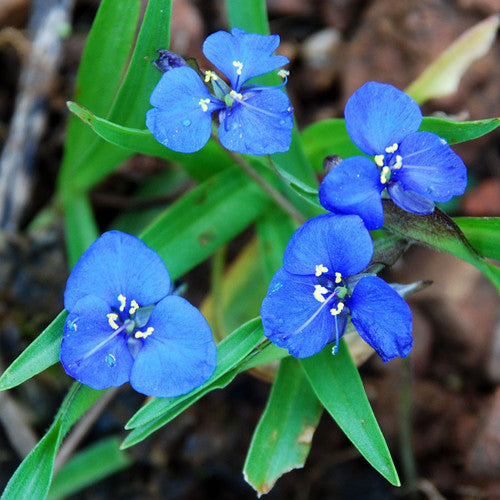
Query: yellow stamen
[[143, 335], [112, 317], [133, 307], [392, 149], [379, 160], [239, 65], [385, 175], [283, 73], [235, 95], [337, 310], [210, 75], [338, 278], [123, 302], [320, 269], [203, 103], [399, 162], [319, 291]]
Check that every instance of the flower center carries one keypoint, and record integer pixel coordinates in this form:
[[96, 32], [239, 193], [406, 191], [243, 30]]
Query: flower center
[[131, 318], [388, 163], [332, 286]]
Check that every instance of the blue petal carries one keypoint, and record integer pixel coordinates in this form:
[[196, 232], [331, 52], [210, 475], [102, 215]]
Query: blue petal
[[254, 52], [293, 319], [341, 243], [118, 263], [430, 167], [178, 120], [179, 355], [378, 115], [409, 201], [260, 124], [382, 318], [90, 352], [354, 187]]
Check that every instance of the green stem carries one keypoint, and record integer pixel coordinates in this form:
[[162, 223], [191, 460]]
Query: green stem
[[273, 193]]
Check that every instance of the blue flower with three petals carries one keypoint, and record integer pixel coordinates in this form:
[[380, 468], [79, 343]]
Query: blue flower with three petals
[[124, 326], [253, 119], [417, 168], [319, 287]]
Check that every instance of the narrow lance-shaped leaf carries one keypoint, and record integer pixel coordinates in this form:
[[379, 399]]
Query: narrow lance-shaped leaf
[[439, 231], [39, 355], [456, 131], [336, 382], [201, 165], [483, 233], [80, 226], [282, 439], [32, 478], [88, 467], [101, 69], [131, 101], [231, 354], [330, 137]]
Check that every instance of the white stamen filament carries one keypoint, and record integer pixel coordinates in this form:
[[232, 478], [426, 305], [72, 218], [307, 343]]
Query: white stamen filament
[[105, 341], [323, 304]]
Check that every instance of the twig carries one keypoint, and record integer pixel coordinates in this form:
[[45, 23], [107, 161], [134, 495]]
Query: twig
[[273, 193], [30, 116], [82, 427]]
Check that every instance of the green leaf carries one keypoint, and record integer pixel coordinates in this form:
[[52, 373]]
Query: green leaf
[[483, 233], [150, 199], [89, 466], [282, 439], [32, 478], [80, 226], [274, 230], [231, 353], [387, 249], [455, 132], [101, 69], [204, 219], [327, 137], [438, 231], [201, 165], [337, 384], [305, 191], [239, 293], [39, 355], [442, 77], [249, 15], [330, 137], [130, 103]]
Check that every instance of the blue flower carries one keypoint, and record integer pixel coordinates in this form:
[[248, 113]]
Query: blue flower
[[417, 168], [253, 119], [123, 326], [311, 298]]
